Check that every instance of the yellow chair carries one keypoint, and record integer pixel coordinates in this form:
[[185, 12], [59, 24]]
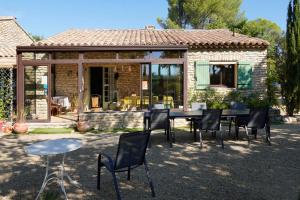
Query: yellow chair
[[155, 99], [168, 101]]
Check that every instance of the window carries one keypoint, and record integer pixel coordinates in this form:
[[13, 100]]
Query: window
[[222, 75], [167, 85]]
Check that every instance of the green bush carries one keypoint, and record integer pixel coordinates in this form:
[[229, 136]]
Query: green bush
[[213, 99], [216, 100]]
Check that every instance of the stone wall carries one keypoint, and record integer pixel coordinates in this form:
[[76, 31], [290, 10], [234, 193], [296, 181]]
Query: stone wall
[[257, 57], [66, 83], [120, 119], [128, 82]]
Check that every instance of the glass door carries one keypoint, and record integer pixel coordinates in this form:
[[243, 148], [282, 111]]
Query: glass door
[[36, 86]]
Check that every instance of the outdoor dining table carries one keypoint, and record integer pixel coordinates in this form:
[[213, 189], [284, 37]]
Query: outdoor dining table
[[227, 113], [52, 148]]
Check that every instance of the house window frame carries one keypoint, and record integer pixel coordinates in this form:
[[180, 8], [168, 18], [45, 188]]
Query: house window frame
[[235, 63]]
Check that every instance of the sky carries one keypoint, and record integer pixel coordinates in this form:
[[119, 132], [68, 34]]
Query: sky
[[47, 18]]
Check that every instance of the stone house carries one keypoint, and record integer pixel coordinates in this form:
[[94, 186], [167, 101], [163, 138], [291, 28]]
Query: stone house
[[110, 76], [11, 35]]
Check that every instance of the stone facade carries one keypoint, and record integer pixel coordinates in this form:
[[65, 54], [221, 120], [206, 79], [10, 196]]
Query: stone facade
[[128, 83], [257, 57], [120, 119]]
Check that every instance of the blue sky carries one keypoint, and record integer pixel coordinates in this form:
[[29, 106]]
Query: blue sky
[[50, 17]]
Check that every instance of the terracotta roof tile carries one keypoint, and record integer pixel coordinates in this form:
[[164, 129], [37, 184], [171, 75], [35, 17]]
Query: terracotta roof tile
[[153, 37], [11, 35]]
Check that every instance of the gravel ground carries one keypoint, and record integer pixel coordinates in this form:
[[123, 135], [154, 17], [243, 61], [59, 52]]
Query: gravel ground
[[260, 172]]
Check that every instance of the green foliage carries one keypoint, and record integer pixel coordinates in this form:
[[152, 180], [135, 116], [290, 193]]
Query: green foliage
[[264, 29], [291, 71], [212, 98], [217, 100], [201, 14], [254, 100], [271, 81], [36, 38]]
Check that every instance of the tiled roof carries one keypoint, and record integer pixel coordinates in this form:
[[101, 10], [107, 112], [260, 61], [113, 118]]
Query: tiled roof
[[218, 38], [11, 35]]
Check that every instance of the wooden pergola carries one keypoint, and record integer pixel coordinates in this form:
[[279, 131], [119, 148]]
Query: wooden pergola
[[80, 61]]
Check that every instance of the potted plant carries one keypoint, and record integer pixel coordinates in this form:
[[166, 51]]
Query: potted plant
[[1, 125], [83, 126], [20, 127]]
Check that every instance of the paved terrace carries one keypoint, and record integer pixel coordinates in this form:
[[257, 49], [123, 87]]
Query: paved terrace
[[183, 172]]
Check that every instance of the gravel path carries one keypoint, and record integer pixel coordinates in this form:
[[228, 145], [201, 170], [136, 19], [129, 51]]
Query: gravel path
[[260, 172]]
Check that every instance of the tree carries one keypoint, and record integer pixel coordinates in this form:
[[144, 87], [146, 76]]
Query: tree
[[36, 38], [291, 84], [270, 31], [201, 13]]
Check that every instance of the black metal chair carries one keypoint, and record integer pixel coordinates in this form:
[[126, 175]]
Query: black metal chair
[[159, 119], [195, 106], [210, 121], [257, 119], [131, 154], [235, 106]]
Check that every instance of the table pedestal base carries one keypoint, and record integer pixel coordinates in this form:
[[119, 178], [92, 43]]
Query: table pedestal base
[[59, 177]]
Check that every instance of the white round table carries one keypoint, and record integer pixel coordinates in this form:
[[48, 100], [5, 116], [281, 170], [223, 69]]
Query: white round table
[[51, 148]]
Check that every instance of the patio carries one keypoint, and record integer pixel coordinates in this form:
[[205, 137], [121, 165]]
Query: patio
[[182, 172]]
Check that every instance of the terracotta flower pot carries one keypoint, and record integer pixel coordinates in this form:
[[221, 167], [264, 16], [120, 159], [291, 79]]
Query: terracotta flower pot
[[1, 126], [20, 128], [83, 126], [7, 128]]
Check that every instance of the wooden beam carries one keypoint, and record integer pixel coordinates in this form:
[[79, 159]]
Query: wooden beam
[[99, 48], [103, 61], [80, 84], [20, 88], [185, 82]]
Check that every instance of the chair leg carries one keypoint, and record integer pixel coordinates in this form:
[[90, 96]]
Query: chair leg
[[195, 134], [168, 134], [200, 135], [268, 135], [236, 131], [254, 132], [99, 172], [128, 174], [116, 185], [191, 126], [248, 137], [222, 139], [149, 178], [230, 122]]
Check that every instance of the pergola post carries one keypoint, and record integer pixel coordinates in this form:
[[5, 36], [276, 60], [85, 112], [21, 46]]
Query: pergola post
[[20, 88], [80, 84]]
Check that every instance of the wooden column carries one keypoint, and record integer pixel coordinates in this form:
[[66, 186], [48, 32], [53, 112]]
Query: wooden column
[[20, 88], [80, 84], [185, 82]]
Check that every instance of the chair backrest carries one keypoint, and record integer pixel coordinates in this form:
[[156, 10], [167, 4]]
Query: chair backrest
[[159, 119], [131, 150], [158, 106], [237, 105], [211, 119], [198, 106], [258, 118]]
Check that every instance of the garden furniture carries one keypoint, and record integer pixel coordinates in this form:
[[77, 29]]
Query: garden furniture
[[210, 121], [131, 154], [52, 148]]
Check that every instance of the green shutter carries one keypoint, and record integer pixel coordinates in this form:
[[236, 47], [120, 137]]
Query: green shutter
[[202, 74], [244, 75]]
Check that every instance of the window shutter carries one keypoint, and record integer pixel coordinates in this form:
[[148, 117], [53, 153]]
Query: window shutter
[[244, 75], [202, 74]]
